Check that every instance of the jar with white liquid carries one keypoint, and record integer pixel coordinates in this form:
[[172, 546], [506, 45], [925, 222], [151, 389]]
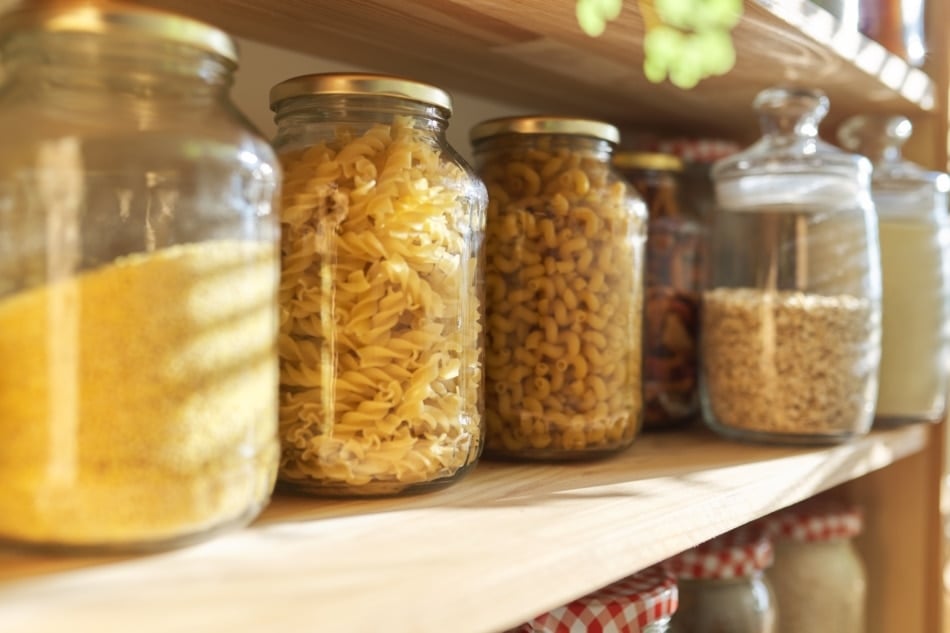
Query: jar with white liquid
[[915, 261]]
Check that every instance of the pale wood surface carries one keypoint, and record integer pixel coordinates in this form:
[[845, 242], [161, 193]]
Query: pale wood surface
[[532, 53], [504, 544]]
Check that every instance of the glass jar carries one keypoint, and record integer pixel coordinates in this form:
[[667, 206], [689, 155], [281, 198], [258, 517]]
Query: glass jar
[[381, 292], [564, 285], [671, 298], [723, 587], [818, 577], [914, 232], [792, 314], [641, 603], [138, 279]]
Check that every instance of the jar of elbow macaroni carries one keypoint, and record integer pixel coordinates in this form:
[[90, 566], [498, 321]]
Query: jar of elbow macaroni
[[564, 289], [380, 295]]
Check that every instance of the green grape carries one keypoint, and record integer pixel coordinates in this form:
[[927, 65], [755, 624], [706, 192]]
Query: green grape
[[685, 76], [692, 56], [589, 18], [676, 13], [609, 9], [654, 70], [718, 53], [723, 14], [662, 44]]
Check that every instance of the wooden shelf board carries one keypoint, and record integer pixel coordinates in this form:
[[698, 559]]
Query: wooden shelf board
[[520, 538], [532, 55]]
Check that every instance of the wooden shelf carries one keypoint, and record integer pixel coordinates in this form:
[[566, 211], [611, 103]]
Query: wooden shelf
[[532, 53], [520, 538]]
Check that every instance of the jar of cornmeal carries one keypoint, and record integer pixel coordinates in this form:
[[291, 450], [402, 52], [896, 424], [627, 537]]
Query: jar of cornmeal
[[138, 279]]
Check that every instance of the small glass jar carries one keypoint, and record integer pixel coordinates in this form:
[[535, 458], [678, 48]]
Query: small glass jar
[[641, 603], [381, 291], [914, 232], [672, 290], [818, 578], [138, 279], [723, 587], [564, 285], [792, 312]]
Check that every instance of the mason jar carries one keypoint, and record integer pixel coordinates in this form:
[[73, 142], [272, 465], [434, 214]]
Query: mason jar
[[792, 309], [723, 587], [818, 577], [381, 288], [138, 279], [564, 286]]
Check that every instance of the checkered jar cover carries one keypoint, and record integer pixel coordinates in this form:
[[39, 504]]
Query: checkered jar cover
[[735, 554], [697, 150], [814, 521]]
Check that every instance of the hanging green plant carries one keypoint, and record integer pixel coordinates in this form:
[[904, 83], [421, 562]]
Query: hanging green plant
[[685, 40]]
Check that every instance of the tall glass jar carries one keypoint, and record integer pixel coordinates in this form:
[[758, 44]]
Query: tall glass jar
[[138, 279], [914, 231], [381, 292], [674, 273], [723, 587], [564, 277], [792, 314], [818, 577]]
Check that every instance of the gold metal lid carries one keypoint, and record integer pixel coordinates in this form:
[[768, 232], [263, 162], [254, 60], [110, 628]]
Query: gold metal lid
[[654, 161], [545, 125], [107, 17], [359, 84]]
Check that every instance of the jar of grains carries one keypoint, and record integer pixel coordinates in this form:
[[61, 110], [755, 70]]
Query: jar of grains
[[722, 585], [641, 603], [792, 312], [380, 295], [564, 286], [914, 231], [672, 290], [818, 578], [138, 280]]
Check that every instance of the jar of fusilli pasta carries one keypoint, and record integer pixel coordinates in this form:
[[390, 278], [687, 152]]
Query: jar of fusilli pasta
[[380, 333], [564, 284]]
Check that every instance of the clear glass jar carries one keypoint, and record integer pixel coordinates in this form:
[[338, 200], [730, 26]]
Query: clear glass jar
[[641, 603], [672, 290], [914, 232], [564, 285], [723, 587], [792, 314], [138, 279], [381, 293], [818, 577]]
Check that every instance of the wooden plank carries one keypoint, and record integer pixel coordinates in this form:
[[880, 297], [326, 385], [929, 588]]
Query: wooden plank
[[521, 538]]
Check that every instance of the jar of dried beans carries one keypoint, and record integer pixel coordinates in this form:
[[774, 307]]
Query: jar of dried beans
[[792, 312], [564, 285], [672, 290], [138, 281], [380, 295]]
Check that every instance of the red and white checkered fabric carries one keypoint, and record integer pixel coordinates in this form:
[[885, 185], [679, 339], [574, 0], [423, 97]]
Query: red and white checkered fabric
[[817, 521], [697, 150], [627, 606], [733, 555]]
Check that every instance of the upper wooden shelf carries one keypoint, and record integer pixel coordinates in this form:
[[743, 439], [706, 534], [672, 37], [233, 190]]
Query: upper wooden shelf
[[508, 542], [532, 54]]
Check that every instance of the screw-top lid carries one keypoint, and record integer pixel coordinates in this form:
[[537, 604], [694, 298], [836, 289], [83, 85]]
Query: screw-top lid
[[736, 554], [653, 161], [627, 606], [545, 125], [107, 17], [815, 520], [359, 84]]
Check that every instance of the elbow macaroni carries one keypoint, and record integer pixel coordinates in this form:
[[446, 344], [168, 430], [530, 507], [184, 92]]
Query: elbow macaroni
[[564, 257]]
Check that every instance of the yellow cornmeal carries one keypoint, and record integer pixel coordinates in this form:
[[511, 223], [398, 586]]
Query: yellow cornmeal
[[138, 401]]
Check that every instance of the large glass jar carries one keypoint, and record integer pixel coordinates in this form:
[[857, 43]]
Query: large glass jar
[[723, 587], [641, 603], [380, 295], [792, 315], [818, 577], [914, 232], [138, 279], [564, 286], [672, 290]]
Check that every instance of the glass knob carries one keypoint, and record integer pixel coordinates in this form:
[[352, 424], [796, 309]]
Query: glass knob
[[791, 111]]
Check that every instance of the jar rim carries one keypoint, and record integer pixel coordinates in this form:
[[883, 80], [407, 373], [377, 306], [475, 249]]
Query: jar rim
[[108, 18], [545, 125], [368, 84]]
